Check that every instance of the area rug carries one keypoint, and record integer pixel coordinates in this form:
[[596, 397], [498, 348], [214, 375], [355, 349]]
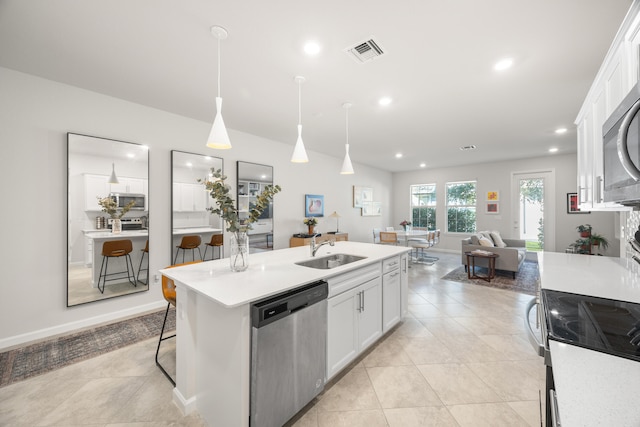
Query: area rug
[[526, 280], [35, 359]]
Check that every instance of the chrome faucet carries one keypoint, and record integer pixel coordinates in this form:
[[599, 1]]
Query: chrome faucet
[[314, 247]]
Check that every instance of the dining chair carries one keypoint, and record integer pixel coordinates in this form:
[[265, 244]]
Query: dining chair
[[389, 237], [116, 249], [145, 250], [376, 235], [217, 241], [191, 243], [389, 229], [169, 294]]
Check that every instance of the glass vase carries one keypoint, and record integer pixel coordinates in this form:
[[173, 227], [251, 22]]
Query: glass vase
[[239, 249], [116, 225]]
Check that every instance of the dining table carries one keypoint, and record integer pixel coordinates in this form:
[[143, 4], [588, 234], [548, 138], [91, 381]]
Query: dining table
[[405, 235]]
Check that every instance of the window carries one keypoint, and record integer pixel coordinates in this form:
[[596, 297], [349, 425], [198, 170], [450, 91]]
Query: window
[[461, 207], [423, 206]]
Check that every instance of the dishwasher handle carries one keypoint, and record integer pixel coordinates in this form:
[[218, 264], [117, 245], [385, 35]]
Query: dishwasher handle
[[274, 308]]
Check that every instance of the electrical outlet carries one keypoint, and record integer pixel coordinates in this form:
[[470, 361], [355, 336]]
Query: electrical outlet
[[156, 278]]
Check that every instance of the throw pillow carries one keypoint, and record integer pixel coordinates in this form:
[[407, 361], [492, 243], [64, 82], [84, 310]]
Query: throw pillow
[[474, 239], [497, 239], [485, 242], [486, 235]]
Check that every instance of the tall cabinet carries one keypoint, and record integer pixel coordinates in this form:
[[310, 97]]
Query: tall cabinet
[[617, 75]]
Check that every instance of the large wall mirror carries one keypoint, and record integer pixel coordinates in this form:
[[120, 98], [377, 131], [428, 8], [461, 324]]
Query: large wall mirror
[[191, 221], [252, 179], [117, 171]]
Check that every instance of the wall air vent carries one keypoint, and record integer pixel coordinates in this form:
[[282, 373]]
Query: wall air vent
[[365, 51], [468, 147]]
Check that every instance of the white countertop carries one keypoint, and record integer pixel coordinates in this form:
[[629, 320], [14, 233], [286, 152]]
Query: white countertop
[[271, 272], [593, 388], [106, 234], [195, 230]]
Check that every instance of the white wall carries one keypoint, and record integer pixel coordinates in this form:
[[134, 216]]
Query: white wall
[[35, 116], [497, 176]]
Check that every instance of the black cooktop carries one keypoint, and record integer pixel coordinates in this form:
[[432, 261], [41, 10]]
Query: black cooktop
[[599, 324]]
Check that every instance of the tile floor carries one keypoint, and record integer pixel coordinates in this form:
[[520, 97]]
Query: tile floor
[[460, 359]]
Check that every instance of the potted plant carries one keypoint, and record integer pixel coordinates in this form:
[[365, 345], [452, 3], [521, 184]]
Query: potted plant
[[310, 222], [599, 240], [219, 191], [584, 230], [404, 224], [582, 246], [110, 206]]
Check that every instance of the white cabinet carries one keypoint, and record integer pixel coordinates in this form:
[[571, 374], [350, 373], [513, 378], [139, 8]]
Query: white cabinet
[[128, 185], [354, 316], [189, 197], [391, 284], [94, 186]]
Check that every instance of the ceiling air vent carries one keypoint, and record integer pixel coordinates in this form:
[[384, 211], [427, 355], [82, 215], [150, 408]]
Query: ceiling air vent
[[365, 51]]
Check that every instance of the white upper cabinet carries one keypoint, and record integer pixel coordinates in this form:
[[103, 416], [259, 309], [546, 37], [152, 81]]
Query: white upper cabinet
[[616, 77]]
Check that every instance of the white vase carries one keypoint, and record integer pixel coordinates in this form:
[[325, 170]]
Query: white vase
[[239, 249], [116, 225]]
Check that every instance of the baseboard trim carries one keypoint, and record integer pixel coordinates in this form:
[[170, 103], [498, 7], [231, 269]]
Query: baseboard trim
[[187, 406], [17, 340]]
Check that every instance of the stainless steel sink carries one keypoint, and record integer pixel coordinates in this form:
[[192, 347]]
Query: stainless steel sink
[[330, 261]]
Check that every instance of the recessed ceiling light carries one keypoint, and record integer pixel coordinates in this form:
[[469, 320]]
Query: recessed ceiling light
[[311, 48], [398, 155], [467, 147], [131, 155], [560, 131], [503, 64], [189, 164], [553, 150], [385, 100], [423, 165]]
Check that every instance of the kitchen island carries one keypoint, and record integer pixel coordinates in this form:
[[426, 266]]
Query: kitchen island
[[593, 388], [213, 349]]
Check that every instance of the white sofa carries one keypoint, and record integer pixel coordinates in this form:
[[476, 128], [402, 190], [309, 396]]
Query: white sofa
[[511, 257]]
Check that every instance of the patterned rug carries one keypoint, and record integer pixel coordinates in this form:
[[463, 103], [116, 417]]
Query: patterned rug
[[526, 280], [35, 359]]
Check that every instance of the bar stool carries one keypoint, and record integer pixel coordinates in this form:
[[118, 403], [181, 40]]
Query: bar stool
[[144, 251], [216, 242], [169, 293], [116, 249], [189, 243]]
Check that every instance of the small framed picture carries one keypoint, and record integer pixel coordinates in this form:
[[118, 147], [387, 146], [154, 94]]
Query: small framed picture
[[572, 204], [313, 205], [493, 208], [362, 195], [493, 196], [371, 209]]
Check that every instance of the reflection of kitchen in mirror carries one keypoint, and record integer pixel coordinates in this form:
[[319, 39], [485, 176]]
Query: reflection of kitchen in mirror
[[117, 173], [252, 179], [190, 201]]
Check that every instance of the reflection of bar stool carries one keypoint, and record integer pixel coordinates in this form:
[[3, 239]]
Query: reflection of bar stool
[[144, 251], [116, 249], [169, 293], [216, 242], [189, 243]]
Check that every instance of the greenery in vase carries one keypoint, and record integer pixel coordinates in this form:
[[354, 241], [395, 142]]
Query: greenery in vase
[[311, 222], [219, 191], [109, 206]]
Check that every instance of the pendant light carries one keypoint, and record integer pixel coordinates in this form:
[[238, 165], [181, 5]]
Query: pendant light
[[299, 153], [113, 179], [347, 167], [218, 137]]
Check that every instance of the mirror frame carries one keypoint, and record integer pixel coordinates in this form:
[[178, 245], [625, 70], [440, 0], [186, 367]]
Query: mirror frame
[[172, 207], [239, 178], [140, 287]]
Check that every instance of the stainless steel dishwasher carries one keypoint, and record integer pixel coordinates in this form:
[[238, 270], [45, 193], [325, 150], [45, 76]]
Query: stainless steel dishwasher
[[288, 353]]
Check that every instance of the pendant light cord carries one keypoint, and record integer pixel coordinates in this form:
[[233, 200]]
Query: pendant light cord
[[300, 102], [219, 96], [347, 126]]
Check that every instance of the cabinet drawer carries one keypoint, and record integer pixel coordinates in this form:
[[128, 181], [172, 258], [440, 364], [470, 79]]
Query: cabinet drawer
[[390, 264], [350, 280]]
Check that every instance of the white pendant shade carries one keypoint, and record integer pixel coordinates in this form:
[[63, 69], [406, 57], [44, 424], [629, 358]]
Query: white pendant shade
[[113, 179], [347, 167], [218, 137], [299, 153]]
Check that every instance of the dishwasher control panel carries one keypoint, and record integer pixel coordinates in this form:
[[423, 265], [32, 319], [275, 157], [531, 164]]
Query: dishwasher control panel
[[269, 310]]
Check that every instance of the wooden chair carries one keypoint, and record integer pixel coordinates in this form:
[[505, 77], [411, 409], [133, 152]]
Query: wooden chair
[[169, 293], [116, 249], [388, 237], [217, 241], [144, 251], [188, 243]]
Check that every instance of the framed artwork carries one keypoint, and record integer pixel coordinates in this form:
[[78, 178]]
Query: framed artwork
[[313, 205], [572, 204], [362, 195], [493, 196], [371, 209], [493, 208]]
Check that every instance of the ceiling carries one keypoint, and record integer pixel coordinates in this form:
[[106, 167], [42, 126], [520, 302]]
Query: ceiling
[[437, 68]]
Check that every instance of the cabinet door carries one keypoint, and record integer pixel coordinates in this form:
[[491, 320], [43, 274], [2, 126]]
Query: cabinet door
[[177, 197], [342, 341], [598, 112], [585, 162], [390, 299], [370, 313], [404, 286], [94, 186]]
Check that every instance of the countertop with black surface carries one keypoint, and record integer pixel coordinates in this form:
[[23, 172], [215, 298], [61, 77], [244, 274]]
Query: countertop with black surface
[[593, 388]]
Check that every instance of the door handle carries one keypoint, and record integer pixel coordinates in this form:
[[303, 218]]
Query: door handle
[[623, 148], [362, 295]]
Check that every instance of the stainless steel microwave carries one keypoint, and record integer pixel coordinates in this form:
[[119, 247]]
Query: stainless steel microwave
[[123, 199], [621, 152]]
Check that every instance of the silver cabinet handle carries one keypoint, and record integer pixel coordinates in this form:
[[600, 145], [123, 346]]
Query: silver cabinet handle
[[362, 296], [599, 189], [555, 415], [623, 149]]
